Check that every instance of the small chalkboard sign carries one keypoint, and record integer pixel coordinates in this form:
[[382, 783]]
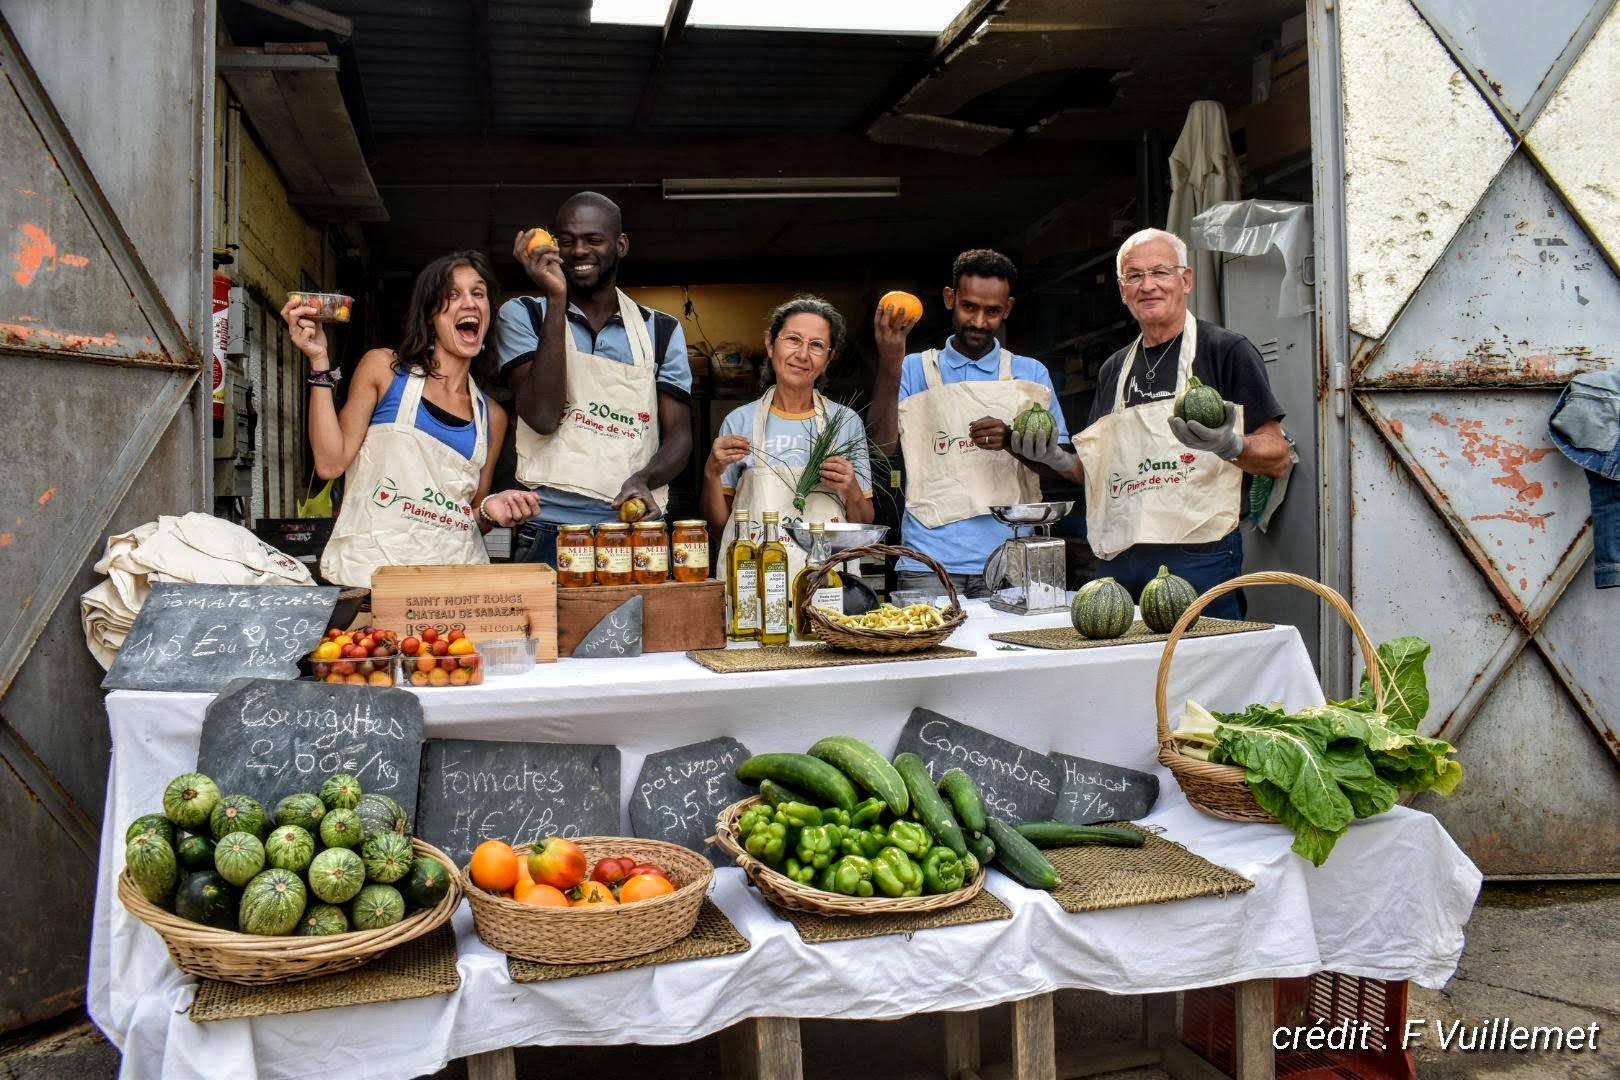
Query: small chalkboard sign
[[617, 635], [271, 739], [1018, 783], [474, 791], [680, 792], [1097, 791], [200, 637]]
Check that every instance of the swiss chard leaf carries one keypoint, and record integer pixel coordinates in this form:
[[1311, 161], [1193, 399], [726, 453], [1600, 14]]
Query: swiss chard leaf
[[1291, 752], [1406, 688], [1310, 842]]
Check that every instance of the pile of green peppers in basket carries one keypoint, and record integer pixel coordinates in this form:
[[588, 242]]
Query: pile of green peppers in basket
[[852, 852]]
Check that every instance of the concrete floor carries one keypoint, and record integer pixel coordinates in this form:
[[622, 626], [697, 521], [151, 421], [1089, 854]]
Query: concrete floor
[[1538, 955]]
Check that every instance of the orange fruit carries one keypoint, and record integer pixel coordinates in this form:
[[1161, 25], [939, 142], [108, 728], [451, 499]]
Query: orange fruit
[[540, 896], [644, 887], [905, 302], [540, 238], [494, 866], [587, 893]]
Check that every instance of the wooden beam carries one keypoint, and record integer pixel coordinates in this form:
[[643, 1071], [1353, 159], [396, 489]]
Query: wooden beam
[[316, 18], [492, 1065], [1034, 1039], [233, 59], [962, 1053], [767, 1048], [1256, 1021], [652, 85]]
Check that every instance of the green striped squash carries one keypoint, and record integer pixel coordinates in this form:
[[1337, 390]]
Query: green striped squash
[[238, 813], [207, 898], [239, 857], [379, 813], [150, 823], [1035, 420], [1202, 403], [336, 875], [290, 848], [1102, 609], [376, 907], [189, 800], [341, 792], [1164, 599], [272, 903], [303, 810], [196, 852], [152, 865], [322, 919], [387, 856], [427, 883], [341, 828]]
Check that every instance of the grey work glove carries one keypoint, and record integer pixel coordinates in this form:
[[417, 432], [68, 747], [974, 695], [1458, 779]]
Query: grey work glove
[[1042, 448], [1225, 442]]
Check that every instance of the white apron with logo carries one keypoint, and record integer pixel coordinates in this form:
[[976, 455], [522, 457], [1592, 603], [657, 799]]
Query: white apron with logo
[[407, 497], [609, 427], [768, 485], [1143, 486], [948, 477]]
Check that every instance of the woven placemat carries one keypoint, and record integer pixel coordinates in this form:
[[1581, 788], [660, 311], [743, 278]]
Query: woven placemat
[[713, 936], [820, 929], [1097, 876], [417, 969], [1065, 637], [787, 658]]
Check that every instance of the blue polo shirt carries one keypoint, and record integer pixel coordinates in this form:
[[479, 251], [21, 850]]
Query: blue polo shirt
[[518, 338], [962, 546]]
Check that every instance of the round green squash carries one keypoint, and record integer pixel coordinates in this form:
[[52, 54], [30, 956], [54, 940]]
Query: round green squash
[[1102, 609], [1035, 420], [1164, 599], [272, 903], [427, 883], [376, 907], [303, 810], [387, 856], [207, 898], [195, 852], [1201, 403], [239, 857], [189, 800], [238, 813], [289, 848], [157, 823], [322, 919], [152, 865], [341, 828], [336, 875], [341, 792], [379, 813]]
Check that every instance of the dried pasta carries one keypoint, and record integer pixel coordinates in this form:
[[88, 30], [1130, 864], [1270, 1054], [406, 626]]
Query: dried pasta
[[888, 617]]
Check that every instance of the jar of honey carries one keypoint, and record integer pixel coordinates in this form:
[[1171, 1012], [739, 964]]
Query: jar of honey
[[576, 556], [650, 544], [614, 564], [689, 541]]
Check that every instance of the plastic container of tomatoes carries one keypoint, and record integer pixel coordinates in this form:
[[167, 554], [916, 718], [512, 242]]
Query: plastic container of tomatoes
[[434, 659], [330, 306], [355, 657]]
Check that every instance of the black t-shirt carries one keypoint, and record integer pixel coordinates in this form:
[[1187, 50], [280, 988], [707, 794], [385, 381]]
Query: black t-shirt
[[1229, 362]]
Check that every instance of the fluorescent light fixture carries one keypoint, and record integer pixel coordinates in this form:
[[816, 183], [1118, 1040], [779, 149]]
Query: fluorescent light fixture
[[895, 17], [785, 187]]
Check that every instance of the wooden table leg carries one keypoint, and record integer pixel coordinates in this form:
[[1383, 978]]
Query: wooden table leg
[[962, 1057], [1034, 1040], [1256, 1020], [492, 1065], [766, 1048], [1158, 1018]]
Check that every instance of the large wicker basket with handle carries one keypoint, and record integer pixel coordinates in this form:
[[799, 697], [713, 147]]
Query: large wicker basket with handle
[[858, 639], [783, 891], [1221, 790], [259, 960]]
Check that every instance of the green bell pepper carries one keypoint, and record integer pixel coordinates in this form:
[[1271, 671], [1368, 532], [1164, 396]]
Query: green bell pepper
[[832, 815], [867, 812], [910, 837], [943, 871], [797, 815], [818, 845], [894, 874], [754, 817], [768, 843], [798, 871], [864, 842], [851, 876], [970, 867]]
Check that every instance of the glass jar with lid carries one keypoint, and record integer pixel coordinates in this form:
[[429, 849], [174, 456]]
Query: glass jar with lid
[[650, 547], [614, 560], [689, 544], [576, 556]]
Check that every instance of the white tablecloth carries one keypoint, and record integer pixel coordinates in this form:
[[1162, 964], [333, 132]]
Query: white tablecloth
[[1390, 903]]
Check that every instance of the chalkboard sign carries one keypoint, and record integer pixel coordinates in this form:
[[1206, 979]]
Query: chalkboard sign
[[1018, 783], [680, 792], [617, 635], [474, 791], [271, 739], [1097, 791], [200, 637]]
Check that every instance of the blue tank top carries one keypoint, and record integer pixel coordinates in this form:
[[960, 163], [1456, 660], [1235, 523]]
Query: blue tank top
[[460, 435]]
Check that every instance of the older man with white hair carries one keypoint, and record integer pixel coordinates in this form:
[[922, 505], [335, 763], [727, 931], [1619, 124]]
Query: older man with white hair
[[1161, 490]]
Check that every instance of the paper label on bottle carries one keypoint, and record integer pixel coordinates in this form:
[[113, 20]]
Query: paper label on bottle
[[614, 560], [689, 554], [576, 558], [653, 558], [775, 614], [829, 598], [747, 597]]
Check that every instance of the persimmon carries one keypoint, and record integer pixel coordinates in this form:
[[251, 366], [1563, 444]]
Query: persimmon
[[494, 866], [590, 892], [644, 887], [908, 305]]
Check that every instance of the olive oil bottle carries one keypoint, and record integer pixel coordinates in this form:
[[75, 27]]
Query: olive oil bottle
[[775, 607], [742, 581], [829, 596]]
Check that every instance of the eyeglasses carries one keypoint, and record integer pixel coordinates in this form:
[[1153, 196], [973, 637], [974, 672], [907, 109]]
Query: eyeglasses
[[1161, 275], [815, 346]]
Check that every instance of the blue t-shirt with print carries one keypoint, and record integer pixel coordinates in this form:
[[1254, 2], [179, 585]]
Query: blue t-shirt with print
[[963, 546], [517, 340], [787, 441]]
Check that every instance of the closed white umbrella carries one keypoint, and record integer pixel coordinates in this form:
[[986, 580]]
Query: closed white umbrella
[[1203, 172]]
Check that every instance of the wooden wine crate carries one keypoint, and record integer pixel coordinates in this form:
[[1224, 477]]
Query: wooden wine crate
[[493, 601], [676, 615]]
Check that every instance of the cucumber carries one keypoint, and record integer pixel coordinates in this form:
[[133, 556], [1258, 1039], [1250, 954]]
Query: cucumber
[[1045, 834], [868, 768], [959, 788], [1021, 859], [925, 801], [801, 772], [981, 847], [775, 794]]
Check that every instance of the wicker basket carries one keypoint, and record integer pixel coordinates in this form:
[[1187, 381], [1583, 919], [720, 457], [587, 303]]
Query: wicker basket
[[257, 960], [856, 639], [783, 891], [1221, 790], [588, 935]]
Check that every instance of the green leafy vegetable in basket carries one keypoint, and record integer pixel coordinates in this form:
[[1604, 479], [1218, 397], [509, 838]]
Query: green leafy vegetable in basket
[[1318, 769]]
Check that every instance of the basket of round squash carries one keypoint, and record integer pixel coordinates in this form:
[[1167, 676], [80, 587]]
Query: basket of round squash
[[586, 900], [324, 883]]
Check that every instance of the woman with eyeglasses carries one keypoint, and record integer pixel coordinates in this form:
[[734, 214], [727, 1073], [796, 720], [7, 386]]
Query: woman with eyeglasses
[[763, 447]]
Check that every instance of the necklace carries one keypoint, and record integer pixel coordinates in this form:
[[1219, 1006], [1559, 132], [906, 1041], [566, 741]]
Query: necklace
[[1150, 366]]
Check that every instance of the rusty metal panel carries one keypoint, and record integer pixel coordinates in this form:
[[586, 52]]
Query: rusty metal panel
[[1582, 655]]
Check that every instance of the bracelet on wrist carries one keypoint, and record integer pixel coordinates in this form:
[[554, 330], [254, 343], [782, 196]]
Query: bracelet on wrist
[[484, 513], [328, 378]]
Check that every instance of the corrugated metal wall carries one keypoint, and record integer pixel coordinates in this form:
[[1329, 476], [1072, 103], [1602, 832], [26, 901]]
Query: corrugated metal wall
[[1480, 205]]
